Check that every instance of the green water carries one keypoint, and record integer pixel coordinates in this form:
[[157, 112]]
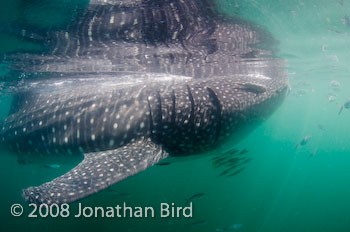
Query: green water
[[283, 189]]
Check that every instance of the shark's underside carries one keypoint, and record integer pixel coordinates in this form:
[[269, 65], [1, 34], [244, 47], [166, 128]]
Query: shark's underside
[[131, 82]]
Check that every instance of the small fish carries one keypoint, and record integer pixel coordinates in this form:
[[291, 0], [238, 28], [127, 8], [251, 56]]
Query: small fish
[[345, 106], [341, 110], [254, 88], [246, 160], [332, 98], [233, 160], [334, 84], [234, 227], [53, 166], [230, 161], [237, 172], [304, 141], [193, 197], [219, 160], [163, 163], [228, 172], [225, 172], [200, 222], [313, 153], [243, 151], [224, 158], [225, 154], [226, 164], [218, 164], [231, 152]]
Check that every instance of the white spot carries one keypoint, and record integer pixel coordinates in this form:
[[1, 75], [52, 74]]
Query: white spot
[[93, 137], [24, 129], [66, 139], [142, 125], [111, 20], [40, 123], [65, 127], [54, 139], [115, 125], [92, 121], [174, 35]]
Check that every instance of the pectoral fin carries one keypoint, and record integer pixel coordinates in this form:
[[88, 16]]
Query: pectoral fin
[[97, 171]]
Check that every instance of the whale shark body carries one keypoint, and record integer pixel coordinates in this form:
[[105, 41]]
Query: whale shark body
[[129, 83]]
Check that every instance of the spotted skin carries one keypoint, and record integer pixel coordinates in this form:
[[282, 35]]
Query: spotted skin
[[97, 171], [178, 117], [182, 37], [133, 82]]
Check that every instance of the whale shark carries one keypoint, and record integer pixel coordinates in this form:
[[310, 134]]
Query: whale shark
[[129, 83]]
